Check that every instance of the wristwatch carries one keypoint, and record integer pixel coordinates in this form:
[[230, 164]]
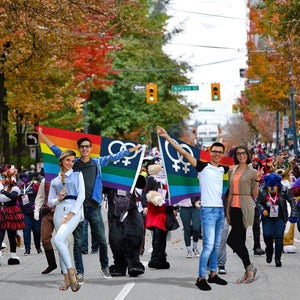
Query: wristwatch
[[2, 191]]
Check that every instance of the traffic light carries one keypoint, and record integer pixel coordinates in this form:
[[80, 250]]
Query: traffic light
[[215, 91], [234, 108], [151, 93]]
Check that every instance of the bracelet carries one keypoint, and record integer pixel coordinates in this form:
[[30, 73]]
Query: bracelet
[[257, 180]]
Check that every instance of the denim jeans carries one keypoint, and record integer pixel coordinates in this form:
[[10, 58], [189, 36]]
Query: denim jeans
[[35, 226], [222, 257], [94, 217], [85, 243], [212, 220], [273, 228], [188, 214]]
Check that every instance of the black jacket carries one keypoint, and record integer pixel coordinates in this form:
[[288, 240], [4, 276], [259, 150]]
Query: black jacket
[[285, 195]]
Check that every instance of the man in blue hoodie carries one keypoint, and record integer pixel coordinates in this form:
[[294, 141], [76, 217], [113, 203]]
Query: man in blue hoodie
[[91, 170]]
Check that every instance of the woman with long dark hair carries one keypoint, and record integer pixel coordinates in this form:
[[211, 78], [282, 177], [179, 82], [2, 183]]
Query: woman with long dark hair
[[243, 189]]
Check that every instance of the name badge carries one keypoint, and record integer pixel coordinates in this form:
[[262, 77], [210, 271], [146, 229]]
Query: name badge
[[274, 211], [163, 193], [121, 193], [25, 199]]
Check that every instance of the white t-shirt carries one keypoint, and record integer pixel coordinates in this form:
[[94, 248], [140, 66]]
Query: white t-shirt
[[211, 183]]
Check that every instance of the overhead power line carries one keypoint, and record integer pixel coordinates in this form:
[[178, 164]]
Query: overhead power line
[[205, 14], [177, 68]]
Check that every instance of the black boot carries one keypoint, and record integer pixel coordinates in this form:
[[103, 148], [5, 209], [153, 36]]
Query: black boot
[[51, 261], [137, 269], [116, 271]]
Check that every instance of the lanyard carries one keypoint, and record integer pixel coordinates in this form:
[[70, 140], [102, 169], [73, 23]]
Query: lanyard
[[25, 190], [275, 198]]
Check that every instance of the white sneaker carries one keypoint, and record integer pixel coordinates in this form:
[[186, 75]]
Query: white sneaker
[[196, 252], [189, 254]]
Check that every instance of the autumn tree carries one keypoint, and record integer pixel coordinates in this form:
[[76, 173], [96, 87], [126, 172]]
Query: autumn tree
[[119, 109], [273, 47], [48, 62]]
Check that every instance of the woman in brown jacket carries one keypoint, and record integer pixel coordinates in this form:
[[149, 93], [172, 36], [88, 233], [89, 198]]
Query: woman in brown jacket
[[243, 188]]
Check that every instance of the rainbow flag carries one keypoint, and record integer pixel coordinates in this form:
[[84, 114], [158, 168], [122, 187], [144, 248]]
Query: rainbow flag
[[182, 177], [116, 175], [119, 174]]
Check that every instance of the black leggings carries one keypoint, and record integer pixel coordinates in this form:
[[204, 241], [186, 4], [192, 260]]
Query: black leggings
[[159, 243], [237, 236], [11, 237]]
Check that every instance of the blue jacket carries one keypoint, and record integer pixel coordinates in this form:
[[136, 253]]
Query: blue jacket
[[100, 162]]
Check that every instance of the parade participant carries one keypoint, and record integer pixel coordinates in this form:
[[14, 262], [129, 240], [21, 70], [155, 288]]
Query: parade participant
[[211, 212], [190, 218], [256, 164], [243, 188], [272, 200], [126, 230], [11, 218], [67, 195], [29, 190], [91, 170], [47, 227], [160, 215]]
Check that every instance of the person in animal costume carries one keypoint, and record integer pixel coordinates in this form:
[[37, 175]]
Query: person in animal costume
[[282, 167], [11, 218], [125, 230], [296, 192], [160, 214], [272, 201]]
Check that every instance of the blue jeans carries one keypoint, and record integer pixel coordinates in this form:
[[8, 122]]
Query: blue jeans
[[212, 220], [273, 228], [35, 226], [188, 214], [85, 243], [94, 217]]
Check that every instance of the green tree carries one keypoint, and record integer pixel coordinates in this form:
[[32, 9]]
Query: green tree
[[119, 110]]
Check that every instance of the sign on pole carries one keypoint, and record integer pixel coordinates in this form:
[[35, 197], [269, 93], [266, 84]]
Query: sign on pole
[[254, 81], [285, 122], [141, 87], [184, 88], [242, 73], [32, 139]]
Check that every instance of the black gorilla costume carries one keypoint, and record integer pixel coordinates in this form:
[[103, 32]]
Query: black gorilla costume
[[125, 231]]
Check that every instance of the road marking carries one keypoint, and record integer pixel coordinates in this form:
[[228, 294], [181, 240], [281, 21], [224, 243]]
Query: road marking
[[125, 290]]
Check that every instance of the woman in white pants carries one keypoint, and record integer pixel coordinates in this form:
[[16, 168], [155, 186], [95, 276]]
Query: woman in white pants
[[67, 193]]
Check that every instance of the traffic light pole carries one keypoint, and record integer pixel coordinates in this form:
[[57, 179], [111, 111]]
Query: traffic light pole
[[293, 116]]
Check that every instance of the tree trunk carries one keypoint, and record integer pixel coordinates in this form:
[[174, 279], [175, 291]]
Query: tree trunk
[[4, 140]]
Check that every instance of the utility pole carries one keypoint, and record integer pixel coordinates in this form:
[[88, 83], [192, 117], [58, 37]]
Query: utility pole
[[293, 115]]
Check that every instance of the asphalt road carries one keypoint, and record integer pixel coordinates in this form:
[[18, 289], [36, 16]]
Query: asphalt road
[[25, 281]]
